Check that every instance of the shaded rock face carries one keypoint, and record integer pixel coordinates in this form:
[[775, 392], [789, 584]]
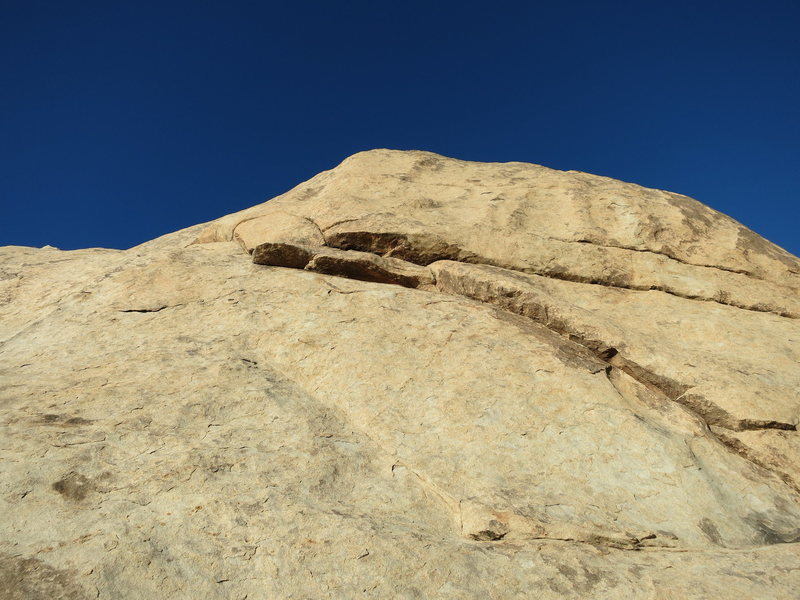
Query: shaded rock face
[[408, 377]]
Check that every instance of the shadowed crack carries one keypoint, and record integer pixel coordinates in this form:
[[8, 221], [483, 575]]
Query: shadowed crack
[[516, 297], [363, 266], [425, 248], [420, 249], [396, 259], [737, 446], [292, 256], [723, 435], [369, 239], [401, 259]]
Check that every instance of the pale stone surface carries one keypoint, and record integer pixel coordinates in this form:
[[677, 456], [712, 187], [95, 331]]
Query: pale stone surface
[[736, 368], [570, 225], [431, 402]]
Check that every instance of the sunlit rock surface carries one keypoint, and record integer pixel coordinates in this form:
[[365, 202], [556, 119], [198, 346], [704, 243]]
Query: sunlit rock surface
[[409, 377]]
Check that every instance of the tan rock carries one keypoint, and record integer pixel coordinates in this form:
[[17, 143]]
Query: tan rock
[[431, 401], [423, 207], [735, 368]]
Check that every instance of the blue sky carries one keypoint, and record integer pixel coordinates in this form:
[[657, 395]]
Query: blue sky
[[121, 121]]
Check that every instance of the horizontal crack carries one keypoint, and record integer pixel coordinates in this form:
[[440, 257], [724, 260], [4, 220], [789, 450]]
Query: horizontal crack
[[356, 264], [156, 309], [725, 301], [661, 253], [396, 259], [351, 264], [425, 249], [595, 243]]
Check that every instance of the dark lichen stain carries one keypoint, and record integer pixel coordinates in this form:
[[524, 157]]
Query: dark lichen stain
[[495, 531], [29, 578], [568, 572], [54, 419], [431, 163], [73, 486], [487, 535], [584, 581], [770, 531], [710, 530]]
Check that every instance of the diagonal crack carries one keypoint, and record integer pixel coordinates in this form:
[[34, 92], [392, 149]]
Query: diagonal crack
[[515, 298], [356, 264], [723, 435], [396, 260]]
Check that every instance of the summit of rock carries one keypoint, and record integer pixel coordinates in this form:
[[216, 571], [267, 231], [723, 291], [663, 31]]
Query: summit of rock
[[409, 376], [524, 217]]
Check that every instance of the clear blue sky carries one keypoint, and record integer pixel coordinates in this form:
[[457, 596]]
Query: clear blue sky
[[121, 121]]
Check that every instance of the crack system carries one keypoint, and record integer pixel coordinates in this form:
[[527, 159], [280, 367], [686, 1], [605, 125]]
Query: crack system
[[397, 259], [401, 259], [425, 249]]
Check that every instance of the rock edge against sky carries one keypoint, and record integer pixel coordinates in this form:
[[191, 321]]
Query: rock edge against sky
[[413, 377]]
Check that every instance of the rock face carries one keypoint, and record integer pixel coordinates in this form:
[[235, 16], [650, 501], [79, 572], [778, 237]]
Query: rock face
[[408, 377]]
